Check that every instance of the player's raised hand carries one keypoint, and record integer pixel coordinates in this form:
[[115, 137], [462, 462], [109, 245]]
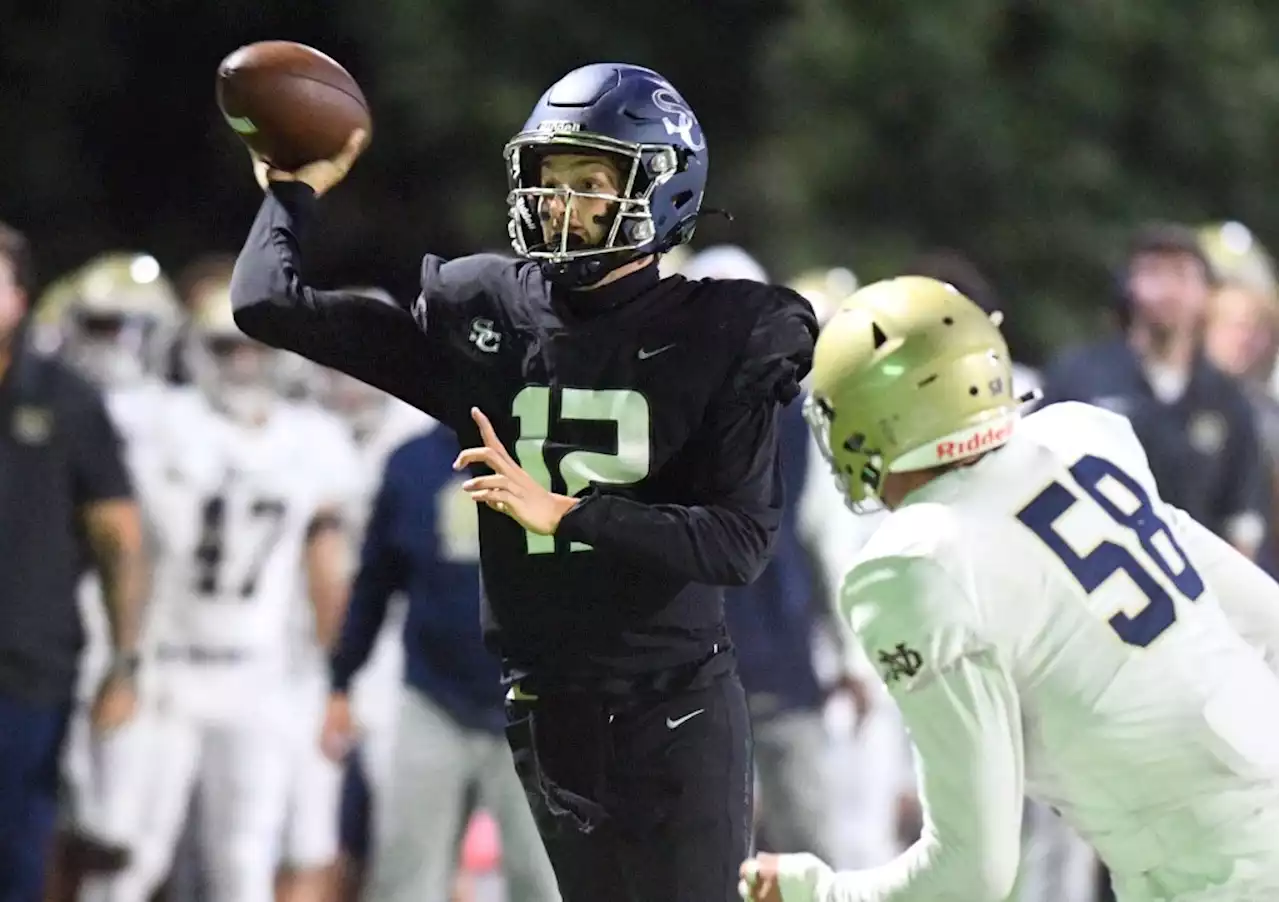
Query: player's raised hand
[[510, 490], [322, 175]]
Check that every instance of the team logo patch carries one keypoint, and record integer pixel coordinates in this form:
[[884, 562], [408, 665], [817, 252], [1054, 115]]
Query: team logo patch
[[899, 663], [1207, 432], [32, 425], [484, 336]]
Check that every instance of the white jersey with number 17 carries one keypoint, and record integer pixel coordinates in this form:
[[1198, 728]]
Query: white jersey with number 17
[[236, 504]]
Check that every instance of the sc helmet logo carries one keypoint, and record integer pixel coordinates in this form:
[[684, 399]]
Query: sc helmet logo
[[665, 99]]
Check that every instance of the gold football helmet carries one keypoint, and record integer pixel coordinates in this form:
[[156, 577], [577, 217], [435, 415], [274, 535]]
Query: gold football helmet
[[909, 374]]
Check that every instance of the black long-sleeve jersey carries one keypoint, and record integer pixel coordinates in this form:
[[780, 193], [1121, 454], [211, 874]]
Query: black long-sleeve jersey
[[653, 401]]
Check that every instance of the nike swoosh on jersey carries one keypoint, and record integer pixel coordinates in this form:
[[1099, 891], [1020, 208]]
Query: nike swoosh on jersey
[[645, 355], [672, 724]]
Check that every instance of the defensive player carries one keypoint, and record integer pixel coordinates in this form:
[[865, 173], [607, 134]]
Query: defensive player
[[250, 489], [1046, 623], [621, 431]]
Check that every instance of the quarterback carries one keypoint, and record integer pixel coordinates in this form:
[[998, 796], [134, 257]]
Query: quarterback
[[1046, 623]]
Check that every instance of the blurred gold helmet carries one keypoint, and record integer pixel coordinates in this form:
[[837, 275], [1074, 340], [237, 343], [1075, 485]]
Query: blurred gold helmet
[[1238, 257], [238, 375], [909, 374], [825, 288], [114, 318]]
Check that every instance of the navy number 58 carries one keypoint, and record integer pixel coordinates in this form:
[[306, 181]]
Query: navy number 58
[[1093, 569]]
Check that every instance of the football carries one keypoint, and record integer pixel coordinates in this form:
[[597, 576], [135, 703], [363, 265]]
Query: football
[[290, 103]]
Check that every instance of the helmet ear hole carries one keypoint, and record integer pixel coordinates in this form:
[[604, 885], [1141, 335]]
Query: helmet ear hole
[[878, 338]]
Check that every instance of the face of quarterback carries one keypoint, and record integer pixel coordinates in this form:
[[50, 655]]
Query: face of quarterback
[[589, 217], [13, 301], [1169, 290]]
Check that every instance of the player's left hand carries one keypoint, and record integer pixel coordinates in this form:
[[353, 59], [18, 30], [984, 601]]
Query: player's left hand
[[781, 878], [510, 490]]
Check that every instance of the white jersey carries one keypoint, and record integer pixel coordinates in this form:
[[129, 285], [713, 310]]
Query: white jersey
[[1048, 585], [370, 457], [235, 503]]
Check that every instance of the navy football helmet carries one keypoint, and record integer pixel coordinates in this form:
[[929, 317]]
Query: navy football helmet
[[636, 117]]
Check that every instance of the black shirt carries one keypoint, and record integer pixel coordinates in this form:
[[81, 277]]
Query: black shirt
[[58, 452], [1203, 447], [655, 401]]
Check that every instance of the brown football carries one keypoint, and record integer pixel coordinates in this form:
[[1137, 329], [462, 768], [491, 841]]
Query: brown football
[[290, 103]]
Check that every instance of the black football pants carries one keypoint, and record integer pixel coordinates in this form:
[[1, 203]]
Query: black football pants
[[647, 801]]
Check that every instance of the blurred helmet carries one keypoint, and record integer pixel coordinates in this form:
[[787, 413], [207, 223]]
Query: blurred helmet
[[1238, 257], [238, 375], [909, 374], [634, 116], [300, 379], [114, 318], [723, 261], [825, 289]]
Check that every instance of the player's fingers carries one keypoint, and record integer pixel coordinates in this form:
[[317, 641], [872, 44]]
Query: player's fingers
[[497, 499], [472, 456], [489, 434], [496, 481], [355, 145]]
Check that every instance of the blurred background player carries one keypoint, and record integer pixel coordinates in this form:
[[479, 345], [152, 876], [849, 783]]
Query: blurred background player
[[1241, 340], [1192, 419], [422, 540], [376, 424], [251, 490], [66, 505], [114, 320]]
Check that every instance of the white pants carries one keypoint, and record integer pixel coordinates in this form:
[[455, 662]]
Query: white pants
[[314, 783], [417, 829], [240, 764]]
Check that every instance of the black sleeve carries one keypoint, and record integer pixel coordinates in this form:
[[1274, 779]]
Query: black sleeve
[[381, 573], [97, 452], [373, 341], [726, 540], [1240, 506]]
